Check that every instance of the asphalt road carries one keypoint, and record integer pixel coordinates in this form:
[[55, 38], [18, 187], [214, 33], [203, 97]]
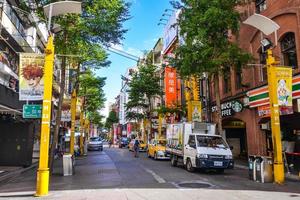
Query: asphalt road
[[144, 172], [116, 174]]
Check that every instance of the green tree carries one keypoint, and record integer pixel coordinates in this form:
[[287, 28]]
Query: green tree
[[91, 89], [101, 22], [207, 27], [143, 87], [111, 119]]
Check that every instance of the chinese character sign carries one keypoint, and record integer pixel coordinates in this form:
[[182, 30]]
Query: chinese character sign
[[170, 86], [31, 74]]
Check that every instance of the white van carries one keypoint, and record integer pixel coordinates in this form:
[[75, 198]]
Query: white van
[[197, 146]]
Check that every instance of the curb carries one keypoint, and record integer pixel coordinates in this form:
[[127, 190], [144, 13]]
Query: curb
[[13, 174], [290, 177]]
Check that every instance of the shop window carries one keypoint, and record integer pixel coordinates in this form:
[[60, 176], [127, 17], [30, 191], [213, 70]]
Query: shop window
[[227, 83], [288, 50], [260, 5]]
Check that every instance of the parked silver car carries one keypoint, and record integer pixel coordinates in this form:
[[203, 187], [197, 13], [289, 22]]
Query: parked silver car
[[95, 143]]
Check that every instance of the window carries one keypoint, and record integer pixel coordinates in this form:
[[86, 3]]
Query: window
[[263, 67], [192, 142], [227, 83], [211, 141], [260, 5], [238, 79], [288, 50]]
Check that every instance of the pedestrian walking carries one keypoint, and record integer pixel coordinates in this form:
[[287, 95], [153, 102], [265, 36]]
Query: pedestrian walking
[[110, 142], [136, 147]]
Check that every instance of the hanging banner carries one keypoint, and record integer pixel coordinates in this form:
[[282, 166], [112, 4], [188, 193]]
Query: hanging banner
[[31, 75], [283, 81], [194, 111], [170, 87], [66, 115]]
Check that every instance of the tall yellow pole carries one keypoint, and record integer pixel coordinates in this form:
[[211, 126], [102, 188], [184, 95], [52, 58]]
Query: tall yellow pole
[[73, 114], [275, 121], [42, 182], [81, 131]]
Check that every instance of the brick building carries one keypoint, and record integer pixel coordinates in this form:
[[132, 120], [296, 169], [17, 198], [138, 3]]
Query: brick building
[[244, 93]]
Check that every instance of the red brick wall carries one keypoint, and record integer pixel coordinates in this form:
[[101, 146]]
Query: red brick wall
[[287, 14]]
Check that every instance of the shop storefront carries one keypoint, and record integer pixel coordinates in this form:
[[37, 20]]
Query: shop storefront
[[234, 127], [289, 122]]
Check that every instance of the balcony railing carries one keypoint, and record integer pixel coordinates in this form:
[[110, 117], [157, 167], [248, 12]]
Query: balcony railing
[[11, 22]]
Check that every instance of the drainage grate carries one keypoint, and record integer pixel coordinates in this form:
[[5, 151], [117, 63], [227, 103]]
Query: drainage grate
[[194, 185]]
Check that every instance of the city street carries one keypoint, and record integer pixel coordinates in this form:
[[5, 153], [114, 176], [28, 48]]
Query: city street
[[116, 174]]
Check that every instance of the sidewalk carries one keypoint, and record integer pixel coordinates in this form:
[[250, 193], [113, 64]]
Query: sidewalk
[[10, 172], [240, 164]]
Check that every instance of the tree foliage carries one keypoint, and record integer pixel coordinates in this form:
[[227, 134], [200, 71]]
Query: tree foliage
[[91, 91], [143, 86], [111, 119], [208, 28]]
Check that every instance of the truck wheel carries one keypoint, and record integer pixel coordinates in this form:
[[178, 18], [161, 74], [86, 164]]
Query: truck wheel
[[173, 161], [189, 167]]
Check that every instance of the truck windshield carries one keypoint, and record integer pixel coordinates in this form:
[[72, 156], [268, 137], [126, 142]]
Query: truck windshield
[[211, 141]]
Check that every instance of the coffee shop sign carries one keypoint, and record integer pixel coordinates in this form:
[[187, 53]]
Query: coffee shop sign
[[229, 108]]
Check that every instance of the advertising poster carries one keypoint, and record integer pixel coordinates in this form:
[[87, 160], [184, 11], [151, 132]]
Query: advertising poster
[[31, 75]]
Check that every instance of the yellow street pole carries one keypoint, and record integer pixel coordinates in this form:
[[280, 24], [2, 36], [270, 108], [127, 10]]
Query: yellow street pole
[[81, 131], [275, 121], [42, 181], [73, 114]]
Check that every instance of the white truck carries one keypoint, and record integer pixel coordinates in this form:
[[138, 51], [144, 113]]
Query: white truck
[[197, 146]]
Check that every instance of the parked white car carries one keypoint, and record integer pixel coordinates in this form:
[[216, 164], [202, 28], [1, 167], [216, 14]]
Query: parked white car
[[95, 143]]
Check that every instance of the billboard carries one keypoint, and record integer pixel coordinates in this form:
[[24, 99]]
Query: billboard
[[170, 31], [31, 75]]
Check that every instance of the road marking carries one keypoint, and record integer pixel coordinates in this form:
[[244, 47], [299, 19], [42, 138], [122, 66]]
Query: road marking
[[155, 176]]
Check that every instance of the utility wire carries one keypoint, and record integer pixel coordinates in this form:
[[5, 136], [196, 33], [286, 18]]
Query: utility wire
[[124, 52], [120, 54]]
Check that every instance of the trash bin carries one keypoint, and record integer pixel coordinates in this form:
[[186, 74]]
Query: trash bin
[[258, 161], [266, 170], [67, 165], [252, 165]]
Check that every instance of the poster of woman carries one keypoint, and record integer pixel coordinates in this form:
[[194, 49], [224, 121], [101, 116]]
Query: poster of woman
[[31, 84]]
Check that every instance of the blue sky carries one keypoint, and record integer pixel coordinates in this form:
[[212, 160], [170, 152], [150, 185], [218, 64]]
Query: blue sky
[[143, 32]]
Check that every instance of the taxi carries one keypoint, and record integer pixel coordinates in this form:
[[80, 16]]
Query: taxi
[[157, 149], [143, 146]]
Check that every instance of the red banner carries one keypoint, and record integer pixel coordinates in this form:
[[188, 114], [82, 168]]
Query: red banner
[[170, 87]]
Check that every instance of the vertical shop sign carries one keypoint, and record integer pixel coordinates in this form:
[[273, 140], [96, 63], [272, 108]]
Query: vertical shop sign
[[170, 86]]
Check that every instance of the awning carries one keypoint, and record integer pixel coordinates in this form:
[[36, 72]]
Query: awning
[[7, 110], [260, 96]]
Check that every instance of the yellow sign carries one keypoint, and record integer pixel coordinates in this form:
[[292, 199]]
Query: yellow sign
[[194, 111], [283, 81]]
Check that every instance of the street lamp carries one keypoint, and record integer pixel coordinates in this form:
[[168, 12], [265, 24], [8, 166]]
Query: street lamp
[[53, 9], [268, 26]]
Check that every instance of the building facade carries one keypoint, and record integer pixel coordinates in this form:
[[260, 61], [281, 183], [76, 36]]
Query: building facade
[[17, 35], [244, 92]]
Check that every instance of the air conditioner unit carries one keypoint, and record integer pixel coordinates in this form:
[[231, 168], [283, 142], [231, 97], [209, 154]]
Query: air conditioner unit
[[265, 126]]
